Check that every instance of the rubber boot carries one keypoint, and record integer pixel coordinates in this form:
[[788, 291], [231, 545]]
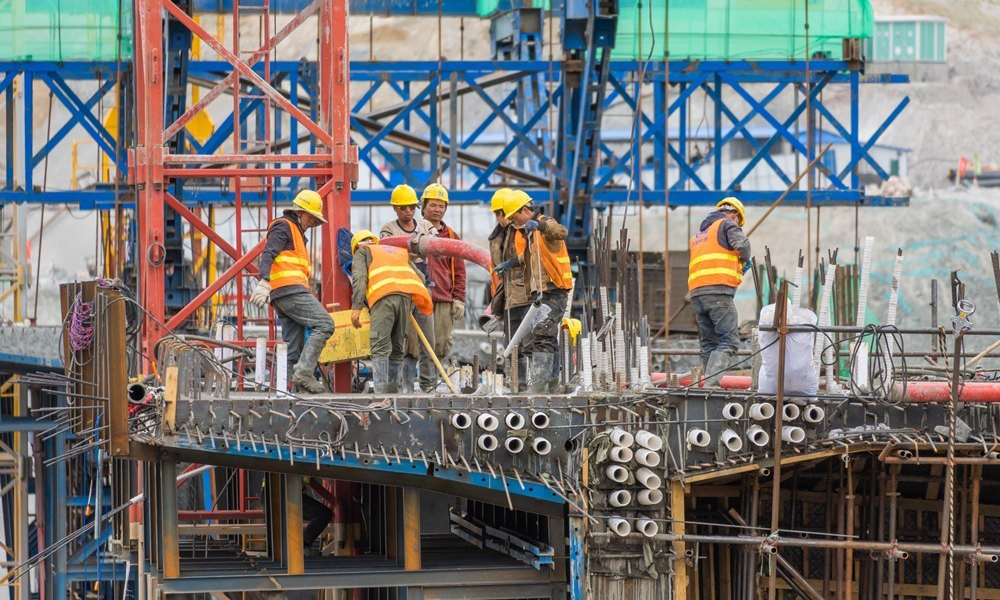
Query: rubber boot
[[306, 382], [408, 375], [718, 362], [555, 385], [541, 371], [395, 376], [380, 375]]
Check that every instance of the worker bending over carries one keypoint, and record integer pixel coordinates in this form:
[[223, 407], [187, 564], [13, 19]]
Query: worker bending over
[[445, 279], [385, 277], [540, 248], [404, 202], [513, 301], [720, 254], [284, 280]]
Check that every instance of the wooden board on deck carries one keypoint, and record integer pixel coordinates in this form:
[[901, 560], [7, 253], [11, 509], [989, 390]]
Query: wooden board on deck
[[347, 343]]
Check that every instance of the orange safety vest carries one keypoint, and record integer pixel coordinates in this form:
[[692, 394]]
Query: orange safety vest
[[711, 263], [390, 273], [556, 264], [291, 267]]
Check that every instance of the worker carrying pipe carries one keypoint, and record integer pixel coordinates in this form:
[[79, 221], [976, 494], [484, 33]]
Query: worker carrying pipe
[[386, 279], [445, 280], [405, 204], [720, 255], [510, 300], [284, 281], [540, 248]]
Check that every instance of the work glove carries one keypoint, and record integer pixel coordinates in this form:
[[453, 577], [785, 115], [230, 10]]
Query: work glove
[[261, 294], [746, 267], [531, 225], [507, 264], [457, 310], [356, 319]]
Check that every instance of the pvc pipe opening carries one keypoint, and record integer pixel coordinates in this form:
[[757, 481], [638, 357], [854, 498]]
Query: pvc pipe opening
[[461, 420], [487, 442], [620, 526], [732, 411], [758, 437], [813, 414], [648, 478], [620, 437], [647, 458], [541, 446], [513, 444], [487, 422], [540, 420], [793, 434], [617, 473], [622, 454], [761, 411], [647, 527], [649, 440], [699, 437], [791, 411], [515, 421], [732, 440], [650, 497], [620, 498]]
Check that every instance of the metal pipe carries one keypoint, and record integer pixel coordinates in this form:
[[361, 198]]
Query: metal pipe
[[780, 318], [977, 476]]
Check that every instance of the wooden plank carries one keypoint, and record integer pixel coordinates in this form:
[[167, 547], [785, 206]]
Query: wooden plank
[[293, 524], [117, 378], [678, 527], [170, 393]]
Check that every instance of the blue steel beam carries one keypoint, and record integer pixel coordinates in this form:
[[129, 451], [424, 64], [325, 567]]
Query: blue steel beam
[[377, 8]]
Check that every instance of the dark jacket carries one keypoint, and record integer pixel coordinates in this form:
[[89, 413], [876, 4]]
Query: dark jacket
[[446, 276], [279, 239], [731, 237]]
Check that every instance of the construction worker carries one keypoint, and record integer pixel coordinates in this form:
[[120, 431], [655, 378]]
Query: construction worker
[[720, 254], [404, 202], [385, 278], [445, 279], [513, 302], [540, 248], [284, 280]]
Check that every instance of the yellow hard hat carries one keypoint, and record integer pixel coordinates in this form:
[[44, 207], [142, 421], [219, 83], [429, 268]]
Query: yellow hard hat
[[361, 236], [499, 197], [515, 202], [733, 204], [311, 202], [435, 191], [403, 195]]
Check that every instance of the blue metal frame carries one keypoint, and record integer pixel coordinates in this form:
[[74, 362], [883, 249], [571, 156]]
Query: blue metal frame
[[418, 83]]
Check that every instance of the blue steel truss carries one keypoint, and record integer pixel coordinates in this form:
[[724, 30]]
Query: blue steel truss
[[395, 141]]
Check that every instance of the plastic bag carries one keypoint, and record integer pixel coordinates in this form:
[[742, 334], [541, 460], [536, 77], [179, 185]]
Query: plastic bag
[[800, 373]]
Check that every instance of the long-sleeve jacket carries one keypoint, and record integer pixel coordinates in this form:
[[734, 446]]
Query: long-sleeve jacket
[[446, 276], [515, 290], [279, 239], [359, 277], [554, 235]]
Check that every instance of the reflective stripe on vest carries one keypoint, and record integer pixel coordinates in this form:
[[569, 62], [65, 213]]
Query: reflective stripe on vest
[[556, 264], [291, 267], [711, 263], [390, 273]]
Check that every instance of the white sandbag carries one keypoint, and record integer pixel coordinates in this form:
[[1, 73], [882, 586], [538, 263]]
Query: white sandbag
[[800, 373]]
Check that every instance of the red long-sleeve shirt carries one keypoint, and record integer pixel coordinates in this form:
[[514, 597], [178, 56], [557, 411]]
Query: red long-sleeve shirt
[[446, 276]]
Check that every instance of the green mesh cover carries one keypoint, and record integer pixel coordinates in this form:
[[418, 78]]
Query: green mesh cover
[[740, 29], [64, 29], [486, 8]]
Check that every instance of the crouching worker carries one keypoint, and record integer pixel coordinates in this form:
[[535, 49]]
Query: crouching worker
[[385, 277]]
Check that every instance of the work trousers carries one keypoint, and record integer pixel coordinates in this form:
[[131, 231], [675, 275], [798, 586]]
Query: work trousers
[[316, 516], [444, 324], [718, 323], [305, 328], [544, 337], [389, 317]]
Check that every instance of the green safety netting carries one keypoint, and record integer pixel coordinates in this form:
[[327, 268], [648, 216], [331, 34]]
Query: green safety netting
[[740, 29], [64, 29], [486, 8]]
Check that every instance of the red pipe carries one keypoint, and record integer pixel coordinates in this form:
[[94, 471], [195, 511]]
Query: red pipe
[[435, 246], [916, 391]]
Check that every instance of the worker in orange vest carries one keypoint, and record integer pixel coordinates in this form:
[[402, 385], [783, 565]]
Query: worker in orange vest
[[284, 281], [720, 254], [385, 278], [540, 248]]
